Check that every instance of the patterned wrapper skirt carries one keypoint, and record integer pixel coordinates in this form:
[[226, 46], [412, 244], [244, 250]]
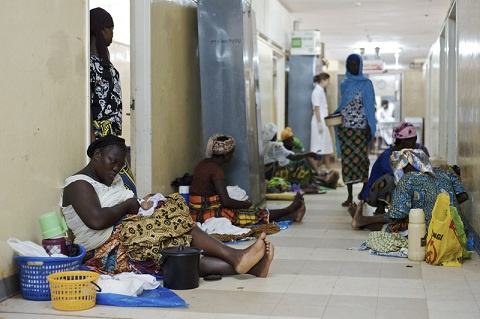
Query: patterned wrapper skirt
[[296, 172], [354, 151], [136, 241], [381, 190], [205, 207]]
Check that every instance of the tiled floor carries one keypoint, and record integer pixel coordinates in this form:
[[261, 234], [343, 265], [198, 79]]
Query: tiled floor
[[313, 275]]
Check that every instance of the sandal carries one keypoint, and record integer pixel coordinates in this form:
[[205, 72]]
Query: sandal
[[346, 203]]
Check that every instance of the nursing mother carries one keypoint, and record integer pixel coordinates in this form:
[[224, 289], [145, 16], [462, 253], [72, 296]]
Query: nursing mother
[[98, 209]]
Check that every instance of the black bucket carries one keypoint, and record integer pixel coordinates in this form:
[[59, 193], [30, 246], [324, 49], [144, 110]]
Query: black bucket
[[181, 267]]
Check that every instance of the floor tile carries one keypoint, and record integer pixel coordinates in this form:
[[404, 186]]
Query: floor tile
[[355, 286]]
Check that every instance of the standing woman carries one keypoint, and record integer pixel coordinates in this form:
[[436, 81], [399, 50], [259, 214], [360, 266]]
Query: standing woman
[[320, 139], [357, 107], [105, 90]]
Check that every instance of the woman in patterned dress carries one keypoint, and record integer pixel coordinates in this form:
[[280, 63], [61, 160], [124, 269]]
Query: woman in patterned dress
[[357, 107], [102, 215], [105, 89], [417, 186]]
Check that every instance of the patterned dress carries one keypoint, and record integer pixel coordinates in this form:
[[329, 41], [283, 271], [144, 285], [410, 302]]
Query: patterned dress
[[106, 97], [353, 139], [420, 190]]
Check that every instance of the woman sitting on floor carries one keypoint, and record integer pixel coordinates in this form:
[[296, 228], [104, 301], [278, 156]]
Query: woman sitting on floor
[[284, 163], [97, 207], [380, 185], [296, 169], [209, 197], [417, 186]]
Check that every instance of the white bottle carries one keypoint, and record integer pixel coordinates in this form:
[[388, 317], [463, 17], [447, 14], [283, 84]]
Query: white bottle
[[416, 235]]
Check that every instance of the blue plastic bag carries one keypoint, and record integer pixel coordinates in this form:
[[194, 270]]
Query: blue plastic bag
[[159, 297]]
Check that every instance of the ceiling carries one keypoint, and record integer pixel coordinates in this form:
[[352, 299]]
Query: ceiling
[[409, 26]]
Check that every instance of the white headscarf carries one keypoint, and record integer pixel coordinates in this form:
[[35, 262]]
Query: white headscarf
[[269, 131]]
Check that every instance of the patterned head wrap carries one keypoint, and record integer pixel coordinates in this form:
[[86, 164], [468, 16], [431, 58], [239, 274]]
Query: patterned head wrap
[[216, 146], [100, 19], [105, 141], [269, 131], [286, 133], [403, 131], [417, 158]]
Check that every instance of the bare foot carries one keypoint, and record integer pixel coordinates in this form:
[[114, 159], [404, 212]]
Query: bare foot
[[251, 256], [357, 215], [262, 267], [296, 204], [352, 208], [298, 215]]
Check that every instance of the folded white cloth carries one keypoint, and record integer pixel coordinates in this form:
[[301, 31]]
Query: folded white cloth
[[221, 225], [127, 283], [237, 193], [155, 199]]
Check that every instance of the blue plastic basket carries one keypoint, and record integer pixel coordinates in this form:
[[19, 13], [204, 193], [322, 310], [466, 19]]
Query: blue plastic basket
[[33, 272]]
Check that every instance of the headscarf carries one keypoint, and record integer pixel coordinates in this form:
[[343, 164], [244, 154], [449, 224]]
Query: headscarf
[[269, 131], [105, 141], [216, 147], [417, 158], [403, 131], [350, 87], [100, 19], [286, 133]]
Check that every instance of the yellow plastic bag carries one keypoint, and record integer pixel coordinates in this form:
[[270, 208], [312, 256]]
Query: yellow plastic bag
[[443, 246]]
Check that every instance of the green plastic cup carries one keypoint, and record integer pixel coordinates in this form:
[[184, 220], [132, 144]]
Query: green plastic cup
[[52, 225]]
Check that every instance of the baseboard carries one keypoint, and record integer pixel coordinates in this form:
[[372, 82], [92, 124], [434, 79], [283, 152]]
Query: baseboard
[[9, 287]]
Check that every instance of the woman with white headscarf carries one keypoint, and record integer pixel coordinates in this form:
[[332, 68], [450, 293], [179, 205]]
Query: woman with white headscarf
[[209, 196], [275, 153]]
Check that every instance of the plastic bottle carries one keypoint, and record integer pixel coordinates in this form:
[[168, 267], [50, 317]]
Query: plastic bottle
[[184, 191], [416, 235]]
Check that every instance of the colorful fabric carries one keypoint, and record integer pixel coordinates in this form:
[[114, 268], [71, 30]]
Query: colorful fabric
[[216, 146], [296, 172], [205, 207], [354, 152], [145, 236], [417, 158], [106, 94], [414, 190], [104, 128], [386, 242], [449, 182], [354, 114], [286, 133], [359, 83], [403, 131], [278, 184], [111, 258], [381, 190]]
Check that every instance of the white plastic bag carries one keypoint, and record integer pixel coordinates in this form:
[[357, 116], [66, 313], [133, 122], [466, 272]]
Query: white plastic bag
[[27, 248]]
